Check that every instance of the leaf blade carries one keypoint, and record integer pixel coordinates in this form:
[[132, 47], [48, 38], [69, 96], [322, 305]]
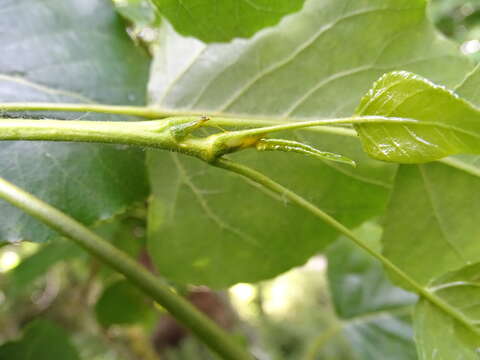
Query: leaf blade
[[223, 21], [41, 63], [444, 123], [276, 73], [459, 289]]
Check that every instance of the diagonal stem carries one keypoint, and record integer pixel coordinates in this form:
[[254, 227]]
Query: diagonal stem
[[197, 322], [275, 187]]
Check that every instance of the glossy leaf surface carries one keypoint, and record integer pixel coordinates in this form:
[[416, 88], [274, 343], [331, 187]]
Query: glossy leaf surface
[[443, 123]]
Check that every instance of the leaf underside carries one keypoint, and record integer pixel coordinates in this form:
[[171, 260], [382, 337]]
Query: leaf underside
[[69, 52], [315, 63]]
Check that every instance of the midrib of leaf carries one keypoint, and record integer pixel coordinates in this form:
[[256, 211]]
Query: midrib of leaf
[[182, 73], [424, 292]]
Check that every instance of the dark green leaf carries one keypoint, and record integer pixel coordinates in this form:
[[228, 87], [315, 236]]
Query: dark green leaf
[[375, 315], [211, 20], [75, 51], [316, 63], [122, 303], [445, 124], [439, 336], [42, 340]]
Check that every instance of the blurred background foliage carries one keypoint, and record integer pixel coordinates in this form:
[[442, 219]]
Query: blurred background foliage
[[81, 310], [460, 21]]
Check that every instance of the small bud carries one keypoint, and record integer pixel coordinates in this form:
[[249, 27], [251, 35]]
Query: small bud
[[298, 147]]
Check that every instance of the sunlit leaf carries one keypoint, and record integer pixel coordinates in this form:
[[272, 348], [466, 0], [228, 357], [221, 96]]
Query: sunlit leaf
[[431, 224], [424, 121]]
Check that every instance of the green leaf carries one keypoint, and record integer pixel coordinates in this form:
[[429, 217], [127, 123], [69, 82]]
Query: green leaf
[[438, 335], [122, 303], [42, 340], [430, 229], [432, 220], [214, 21], [374, 315], [208, 219], [426, 217], [444, 124], [75, 52], [316, 63]]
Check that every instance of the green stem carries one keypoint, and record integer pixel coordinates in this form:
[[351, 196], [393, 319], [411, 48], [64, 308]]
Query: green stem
[[151, 112], [275, 187], [140, 111], [143, 133], [262, 131], [181, 309]]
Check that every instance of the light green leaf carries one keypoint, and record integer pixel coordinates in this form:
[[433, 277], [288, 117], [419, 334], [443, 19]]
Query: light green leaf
[[42, 340], [76, 51], [439, 336], [316, 63], [374, 315], [214, 21], [431, 222], [430, 229], [444, 124]]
